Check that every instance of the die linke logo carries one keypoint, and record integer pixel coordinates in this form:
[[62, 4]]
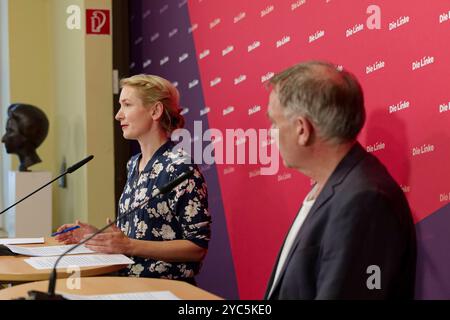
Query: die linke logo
[[228, 110], [282, 177], [399, 22], [267, 10], [163, 61], [214, 23], [297, 4], [283, 41], [240, 79], [399, 106], [253, 46], [182, 3], [215, 82], [319, 34], [267, 77], [98, 22], [426, 148], [184, 111], [193, 28], [444, 197], [444, 17], [376, 147], [375, 67], [355, 29], [147, 63], [227, 50], [444, 107], [163, 9], [204, 54], [425, 61], [154, 37], [239, 17], [146, 14], [173, 32]]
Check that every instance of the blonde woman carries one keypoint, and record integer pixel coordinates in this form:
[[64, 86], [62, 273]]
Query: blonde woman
[[169, 238]]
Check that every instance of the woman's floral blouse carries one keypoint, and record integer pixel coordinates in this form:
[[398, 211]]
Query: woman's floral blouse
[[181, 214]]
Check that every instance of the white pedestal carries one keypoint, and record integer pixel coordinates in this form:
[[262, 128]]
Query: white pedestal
[[32, 217]]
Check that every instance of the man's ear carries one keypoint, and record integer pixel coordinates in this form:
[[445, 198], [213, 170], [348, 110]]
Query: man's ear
[[157, 111], [304, 130]]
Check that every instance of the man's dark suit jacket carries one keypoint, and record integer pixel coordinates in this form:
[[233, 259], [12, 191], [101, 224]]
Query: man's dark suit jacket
[[360, 219]]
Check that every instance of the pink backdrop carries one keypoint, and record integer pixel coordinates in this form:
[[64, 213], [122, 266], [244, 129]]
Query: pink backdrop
[[403, 67]]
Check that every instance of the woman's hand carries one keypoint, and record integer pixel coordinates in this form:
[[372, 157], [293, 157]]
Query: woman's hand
[[75, 236], [111, 241]]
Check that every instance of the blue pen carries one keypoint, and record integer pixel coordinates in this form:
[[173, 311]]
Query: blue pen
[[65, 230]]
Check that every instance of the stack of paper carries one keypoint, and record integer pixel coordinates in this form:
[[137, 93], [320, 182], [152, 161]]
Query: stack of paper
[[21, 240], [46, 256], [91, 260], [47, 251]]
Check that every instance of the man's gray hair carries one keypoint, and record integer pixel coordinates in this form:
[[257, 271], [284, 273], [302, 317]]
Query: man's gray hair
[[331, 99]]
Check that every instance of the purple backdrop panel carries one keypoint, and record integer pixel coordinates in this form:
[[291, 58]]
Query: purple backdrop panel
[[162, 44]]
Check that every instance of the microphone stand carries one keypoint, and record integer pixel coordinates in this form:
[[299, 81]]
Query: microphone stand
[[69, 170], [4, 251], [50, 294]]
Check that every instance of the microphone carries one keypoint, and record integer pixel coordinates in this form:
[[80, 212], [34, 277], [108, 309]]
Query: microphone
[[4, 251], [172, 184], [69, 170], [50, 295], [78, 165]]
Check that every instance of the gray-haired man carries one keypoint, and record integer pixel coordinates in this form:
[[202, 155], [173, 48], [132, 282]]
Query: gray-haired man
[[354, 236]]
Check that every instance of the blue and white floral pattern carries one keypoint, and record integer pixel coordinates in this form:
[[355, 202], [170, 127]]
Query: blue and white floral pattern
[[181, 214]]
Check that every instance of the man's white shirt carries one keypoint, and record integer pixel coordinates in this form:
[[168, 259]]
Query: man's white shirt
[[292, 235]]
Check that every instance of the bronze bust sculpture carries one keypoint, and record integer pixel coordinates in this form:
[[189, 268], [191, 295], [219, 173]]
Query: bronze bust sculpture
[[26, 129]]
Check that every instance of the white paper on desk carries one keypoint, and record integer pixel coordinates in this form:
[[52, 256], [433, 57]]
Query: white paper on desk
[[91, 260], [21, 240], [47, 251], [150, 295]]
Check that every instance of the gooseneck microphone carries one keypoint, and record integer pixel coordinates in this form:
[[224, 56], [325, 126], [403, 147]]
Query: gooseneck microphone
[[76, 166], [4, 251], [50, 295]]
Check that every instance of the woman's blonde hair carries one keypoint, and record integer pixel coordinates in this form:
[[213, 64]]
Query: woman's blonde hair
[[152, 89]]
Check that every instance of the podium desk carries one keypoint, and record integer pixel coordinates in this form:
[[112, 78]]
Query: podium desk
[[111, 285], [13, 269]]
